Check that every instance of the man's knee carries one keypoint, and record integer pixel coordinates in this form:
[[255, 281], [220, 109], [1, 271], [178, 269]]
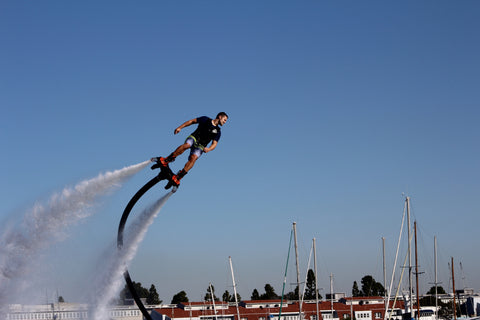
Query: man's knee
[[193, 158]]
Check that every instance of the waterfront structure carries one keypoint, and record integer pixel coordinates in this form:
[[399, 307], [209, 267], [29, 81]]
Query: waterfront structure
[[345, 308], [370, 309], [68, 311]]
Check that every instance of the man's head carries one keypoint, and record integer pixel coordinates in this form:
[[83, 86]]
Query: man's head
[[222, 118]]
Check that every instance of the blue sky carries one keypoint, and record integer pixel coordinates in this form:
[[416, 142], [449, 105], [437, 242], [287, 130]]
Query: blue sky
[[336, 109]]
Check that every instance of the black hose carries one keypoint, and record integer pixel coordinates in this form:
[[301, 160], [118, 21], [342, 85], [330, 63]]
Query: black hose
[[121, 227]]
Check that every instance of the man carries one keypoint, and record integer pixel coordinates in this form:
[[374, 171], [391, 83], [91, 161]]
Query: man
[[208, 130]]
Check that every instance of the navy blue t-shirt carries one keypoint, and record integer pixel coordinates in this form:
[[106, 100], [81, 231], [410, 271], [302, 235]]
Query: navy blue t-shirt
[[206, 131]]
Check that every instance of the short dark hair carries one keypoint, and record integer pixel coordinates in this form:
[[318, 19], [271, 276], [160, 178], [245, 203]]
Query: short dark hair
[[222, 114]]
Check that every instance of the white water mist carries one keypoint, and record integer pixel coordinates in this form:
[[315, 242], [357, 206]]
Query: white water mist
[[46, 223], [110, 281]]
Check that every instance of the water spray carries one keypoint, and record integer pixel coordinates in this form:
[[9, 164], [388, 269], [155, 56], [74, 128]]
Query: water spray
[[110, 280], [46, 223]]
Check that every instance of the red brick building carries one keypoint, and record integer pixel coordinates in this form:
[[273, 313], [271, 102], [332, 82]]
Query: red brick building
[[371, 308]]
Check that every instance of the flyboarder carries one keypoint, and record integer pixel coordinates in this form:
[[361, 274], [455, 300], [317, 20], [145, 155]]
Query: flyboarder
[[208, 130]]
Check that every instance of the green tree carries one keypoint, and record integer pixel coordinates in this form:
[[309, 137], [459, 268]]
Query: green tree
[[446, 310], [141, 291], [208, 295], [371, 288], [269, 293], [355, 291], [440, 290], [292, 295], [428, 301], [60, 299], [180, 297], [311, 286], [226, 297], [378, 289], [152, 297], [255, 295], [239, 298]]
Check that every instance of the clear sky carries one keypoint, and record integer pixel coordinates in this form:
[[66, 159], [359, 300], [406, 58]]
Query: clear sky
[[336, 109]]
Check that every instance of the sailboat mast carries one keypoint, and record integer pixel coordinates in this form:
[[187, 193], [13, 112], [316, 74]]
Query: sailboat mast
[[436, 282], [454, 301], [384, 274], [212, 295], [409, 256], [331, 294], [285, 277], [298, 270], [234, 287], [416, 270], [316, 278]]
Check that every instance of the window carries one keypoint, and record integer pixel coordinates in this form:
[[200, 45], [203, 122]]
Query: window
[[378, 315]]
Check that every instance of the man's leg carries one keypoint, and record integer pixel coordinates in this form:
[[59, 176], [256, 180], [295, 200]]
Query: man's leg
[[189, 165], [181, 149], [191, 161]]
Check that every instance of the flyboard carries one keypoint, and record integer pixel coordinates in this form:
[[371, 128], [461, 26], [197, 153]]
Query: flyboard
[[164, 174]]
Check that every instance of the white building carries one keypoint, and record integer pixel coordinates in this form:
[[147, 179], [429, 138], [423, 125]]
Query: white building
[[67, 311]]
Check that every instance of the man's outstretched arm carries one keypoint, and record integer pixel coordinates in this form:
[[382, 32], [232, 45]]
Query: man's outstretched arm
[[185, 124]]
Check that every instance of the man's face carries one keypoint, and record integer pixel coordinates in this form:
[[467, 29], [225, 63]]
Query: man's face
[[222, 119]]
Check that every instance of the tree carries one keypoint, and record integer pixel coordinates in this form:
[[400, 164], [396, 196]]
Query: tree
[[60, 299], [371, 288], [255, 295], [227, 296], [440, 290], [269, 293], [378, 289], [180, 297], [355, 291], [292, 295], [152, 297], [208, 295], [311, 286], [429, 301], [141, 291], [446, 310], [239, 298]]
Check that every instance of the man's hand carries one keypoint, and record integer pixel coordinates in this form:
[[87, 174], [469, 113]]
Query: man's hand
[[177, 130], [212, 146]]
